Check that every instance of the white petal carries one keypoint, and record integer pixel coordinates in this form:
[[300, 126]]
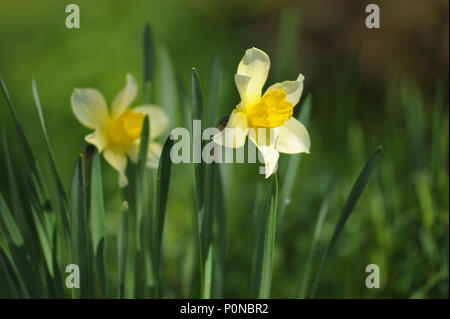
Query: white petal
[[255, 64], [236, 131], [133, 151], [158, 119], [125, 97], [153, 154], [98, 139], [293, 137], [267, 149], [89, 107], [242, 85], [293, 89], [118, 160]]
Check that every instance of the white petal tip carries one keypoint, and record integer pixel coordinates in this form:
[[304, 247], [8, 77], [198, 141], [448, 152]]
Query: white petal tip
[[300, 77]]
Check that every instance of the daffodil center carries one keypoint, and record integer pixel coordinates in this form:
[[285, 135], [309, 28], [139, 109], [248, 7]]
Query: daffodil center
[[271, 110], [126, 128]]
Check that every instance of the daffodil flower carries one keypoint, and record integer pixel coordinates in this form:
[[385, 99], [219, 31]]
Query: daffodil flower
[[118, 131], [265, 118]]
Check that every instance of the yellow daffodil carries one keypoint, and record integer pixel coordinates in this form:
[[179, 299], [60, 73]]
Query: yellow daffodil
[[118, 131], [265, 118]]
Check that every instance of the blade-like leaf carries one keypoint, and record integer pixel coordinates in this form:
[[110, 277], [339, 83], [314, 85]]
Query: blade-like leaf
[[197, 115], [80, 236], [352, 199], [206, 289], [97, 220], [140, 180], [14, 236], [101, 267], [30, 162], [97, 210], [122, 248], [17, 206], [219, 210], [292, 165], [15, 283], [268, 243], [8, 224], [162, 190], [61, 194], [317, 231], [167, 89], [44, 241]]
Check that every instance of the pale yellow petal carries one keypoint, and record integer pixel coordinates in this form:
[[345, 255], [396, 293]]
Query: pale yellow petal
[[98, 139], [125, 97], [267, 148], [235, 133], [242, 85], [89, 108], [293, 89], [153, 154], [118, 160], [133, 151], [255, 64], [158, 119], [293, 137]]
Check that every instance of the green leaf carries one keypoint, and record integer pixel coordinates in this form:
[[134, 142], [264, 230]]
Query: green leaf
[[31, 167], [140, 180], [101, 267], [44, 241], [62, 198], [15, 283], [20, 266], [167, 96], [265, 225], [162, 191], [317, 231], [197, 98], [9, 225], [16, 201], [350, 204], [97, 209], [292, 164], [206, 289], [220, 218], [268, 244], [432, 282], [58, 282], [122, 248], [206, 230], [97, 220], [197, 114], [80, 236]]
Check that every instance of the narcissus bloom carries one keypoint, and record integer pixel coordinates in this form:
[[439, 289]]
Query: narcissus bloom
[[118, 131], [265, 118]]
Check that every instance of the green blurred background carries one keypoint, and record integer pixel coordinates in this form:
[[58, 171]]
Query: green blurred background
[[369, 87]]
